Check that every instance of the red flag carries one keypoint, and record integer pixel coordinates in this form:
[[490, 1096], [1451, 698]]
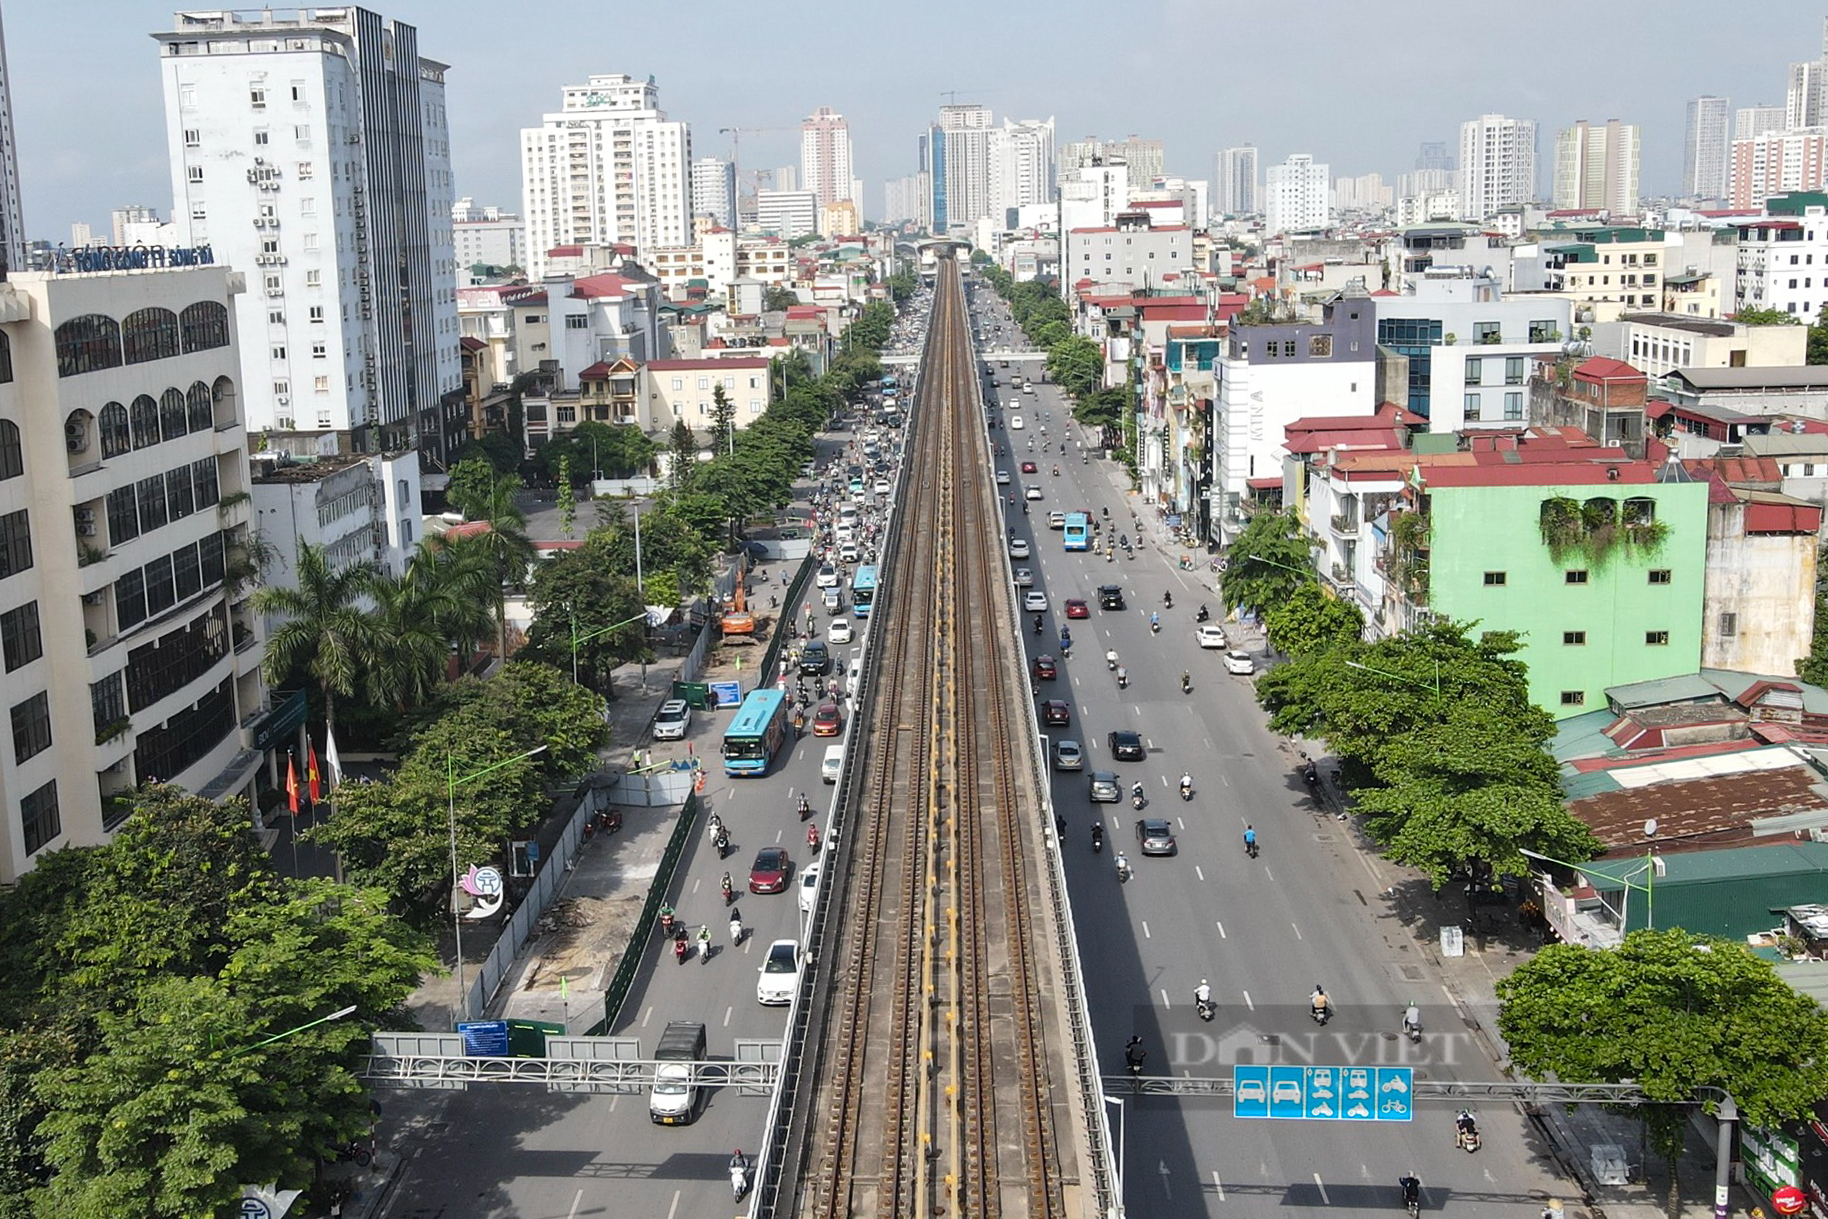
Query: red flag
[[311, 771], [292, 785]]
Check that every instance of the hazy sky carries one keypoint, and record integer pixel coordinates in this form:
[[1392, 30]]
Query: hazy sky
[[1357, 83]]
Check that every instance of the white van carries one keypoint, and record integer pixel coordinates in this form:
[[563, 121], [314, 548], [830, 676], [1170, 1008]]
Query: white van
[[832, 768]]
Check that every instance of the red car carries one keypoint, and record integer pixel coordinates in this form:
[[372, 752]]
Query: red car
[[1056, 713], [769, 875], [826, 721], [1077, 608], [1028, 467], [1045, 669]]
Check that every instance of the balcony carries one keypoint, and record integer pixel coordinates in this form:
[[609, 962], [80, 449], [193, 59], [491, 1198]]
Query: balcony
[[1345, 524], [1342, 576]]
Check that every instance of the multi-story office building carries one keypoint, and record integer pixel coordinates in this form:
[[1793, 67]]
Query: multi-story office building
[[1021, 165], [1497, 164], [1782, 255], [1803, 96], [1752, 121], [130, 651], [1704, 144], [1365, 193], [1468, 350], [309, 149], [825, 155], [714, 190], [1092, 196], [1597, 168], [1132, 252], [1297, 196], [787, 213], [487, 236], [908, 200], [608, 167], [1237, 178], [1775, 163]]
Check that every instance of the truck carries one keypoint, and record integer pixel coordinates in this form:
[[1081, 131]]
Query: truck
[[674, 1098]]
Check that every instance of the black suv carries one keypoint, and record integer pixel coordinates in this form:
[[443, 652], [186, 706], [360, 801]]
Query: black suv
[[1127, 746], [1110, 596], [815, 659]]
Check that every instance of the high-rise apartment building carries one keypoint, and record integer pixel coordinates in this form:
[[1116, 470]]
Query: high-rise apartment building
[[1296, 195], [310, 150], [1597, 167], [1021, 164], [825, 156], [714, 190], [959, 148], [1433, 154], [906, 200], [12, 231], [487, 237], [1497, 164], [608, 167], [1237, 178], [1752, 121], [1704, 148], [1775, 163], [1803, 96]]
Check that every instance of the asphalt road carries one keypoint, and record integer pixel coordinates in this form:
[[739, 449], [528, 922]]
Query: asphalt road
[[1263, 932]]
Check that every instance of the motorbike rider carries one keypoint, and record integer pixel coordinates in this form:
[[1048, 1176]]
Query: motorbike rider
[[1155, 621], [1412, 1020], [1123, 676], [727, 887], [1465, 1125], [1412, 1190], [739, 1172], [805, 807], [1123, 866], [704, 943], [1136, 795], [1250, 840], [1204, 613], [1186, 783], [1097, 835], [736, 926], [1318, 1003], [1110, 658], [1202, 994], [1186, 681], [1168, 599]]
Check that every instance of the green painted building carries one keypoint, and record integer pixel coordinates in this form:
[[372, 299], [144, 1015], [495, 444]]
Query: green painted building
[[1596, 560]]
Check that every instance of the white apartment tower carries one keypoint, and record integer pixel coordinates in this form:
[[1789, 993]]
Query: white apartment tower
[[1597, 167], [825, 156], [1750, 122], [1021, 164], [12, 230], [609, 167], [309, 149], [965, 139], [1497, 164], [1704, 145], [714, 190], [1238, 182], [1297, 195]]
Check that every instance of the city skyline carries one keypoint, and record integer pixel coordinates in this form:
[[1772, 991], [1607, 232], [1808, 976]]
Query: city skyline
[[84, 151]]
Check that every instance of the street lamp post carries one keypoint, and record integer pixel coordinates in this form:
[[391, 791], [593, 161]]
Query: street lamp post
[[576, 639], [452, 781], [1121, 1122], [1408, 681], [309, 1024]]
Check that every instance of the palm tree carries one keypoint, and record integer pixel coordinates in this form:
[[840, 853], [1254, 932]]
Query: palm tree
[[326, 631], [504, 548], [439, 600]]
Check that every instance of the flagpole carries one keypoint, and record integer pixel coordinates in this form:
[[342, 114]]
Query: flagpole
[[294, 810], [335, 767]]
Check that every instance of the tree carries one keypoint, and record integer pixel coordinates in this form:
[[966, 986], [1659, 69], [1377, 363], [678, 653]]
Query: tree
[[586, 590], [683, 451], [1813, 668], [503, 548], [1818, 339], [1763, 317], [778, 298], [473, 487], [324, 631], [1311, 621], [1674, 1013], [500, 450], [439, 602], [1076, 365], [1266, 563], [568, 497]]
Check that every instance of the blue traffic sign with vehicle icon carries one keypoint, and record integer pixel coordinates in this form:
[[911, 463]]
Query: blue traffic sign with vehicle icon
[[1351, 1094]]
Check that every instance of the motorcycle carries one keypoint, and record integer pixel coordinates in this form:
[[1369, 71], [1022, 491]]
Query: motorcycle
[[722, 842], [666, 921], [1311, 773], [1186, 789], [679, 947], [1167, 600], [805, 808], [1412, 1196], [1056, 471], [1123, 868], [1466, 1132], [1097, 837], [1186, 683], [1123, 678], [739, 1176], [1203, 615], [729, 891], [1205, 1008], [1412, 1027], [1155, 626], [1321, 1013], [1110, 661], [1137, 799], [812, 839], [1250, 846], [1038, 624]]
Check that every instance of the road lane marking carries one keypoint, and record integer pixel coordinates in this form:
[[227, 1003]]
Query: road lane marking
[[1145, 929], [1218, 1184], [728, 1012], [1221, 927], [1247, 1003], [673, 1210], [1198, 873], [1266, 872], [1165, 1002], [1322, 1187], [576, 1201], [1182, 822], [647, 1015], [1297, 928]]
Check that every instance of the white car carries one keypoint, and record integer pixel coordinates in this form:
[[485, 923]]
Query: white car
[[1018, 548], [1016, 424], [840, 631], [1002, 478], [1056, 520], [1035, 493], [1024, 578], [1240, 664], [809, 888], [1034, 601], [1210, 635], [780, 974], [672, 720], [827, 577], [882, 486]]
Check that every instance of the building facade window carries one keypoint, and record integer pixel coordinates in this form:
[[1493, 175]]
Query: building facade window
[[6, 358], [12, 451], [204, 326], [199, 407], [145, 417], [1513, 407], [15, 543], [31, 727], [20, 640], [172, 422], [1475, 370], [87, 344], [1495, 579], [1656, 639], [1574, 639], [1659, 575], [1573, 698], [38, 817], [107, 702], [1574, 577], [149, 334], [130, 599], [1729, 625], [123, 515]]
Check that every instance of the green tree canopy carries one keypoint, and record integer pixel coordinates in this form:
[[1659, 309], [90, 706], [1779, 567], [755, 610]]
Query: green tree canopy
[[618, 450], [1311, 621], [1266, 563], [778, 298], [324, 631], [1077, 365], [1764, 317], [1817, 348], [476, 487]]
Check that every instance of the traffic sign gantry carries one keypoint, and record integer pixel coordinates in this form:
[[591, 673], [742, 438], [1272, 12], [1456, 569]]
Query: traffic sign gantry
[[1324, 1094]]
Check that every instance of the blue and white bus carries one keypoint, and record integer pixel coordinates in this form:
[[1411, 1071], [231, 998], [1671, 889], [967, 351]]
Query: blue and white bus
[[863, 590], [1078, 531], [756, 734]]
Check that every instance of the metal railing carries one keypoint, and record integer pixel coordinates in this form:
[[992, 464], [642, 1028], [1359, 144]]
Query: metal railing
[[624, 978]]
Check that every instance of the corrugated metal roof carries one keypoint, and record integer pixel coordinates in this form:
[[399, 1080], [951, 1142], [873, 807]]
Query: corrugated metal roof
[[1698, 867], [1689, 687], [1809, 376]]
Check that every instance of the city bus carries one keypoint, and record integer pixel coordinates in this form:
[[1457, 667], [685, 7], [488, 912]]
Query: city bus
[[1078, 531], [890, 386], [863, 590], [756, 734]]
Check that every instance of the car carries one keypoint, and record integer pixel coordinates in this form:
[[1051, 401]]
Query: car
[[815, 659], [1024, 578], [1210, 635], [1046, 669], [769, 874], [1240, 664], [1029, 467], [1127, 746], [780, 974], [1056, 712], [1154, 836], [1105, 787], [1002, 478], [1033, 493], [826, 721], [1018, 548], [1110, 597], [849, 552], [1015, 423], [832, 599], [1034, 601], [1056, 520], [826, 577], [672, 720], [809, 887], [882, 486], [1077, 608], [1068, 755], [840, 631]]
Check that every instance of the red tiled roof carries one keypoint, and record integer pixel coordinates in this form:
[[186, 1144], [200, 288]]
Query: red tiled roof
[[1603, 368], [593, 287], [470, 344], [720, 362], [1312, 442], [565, 251], [1273, 483], [1782, 517], [1385, 292]]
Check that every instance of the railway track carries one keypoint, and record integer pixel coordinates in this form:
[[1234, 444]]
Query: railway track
[[931, 1091]]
